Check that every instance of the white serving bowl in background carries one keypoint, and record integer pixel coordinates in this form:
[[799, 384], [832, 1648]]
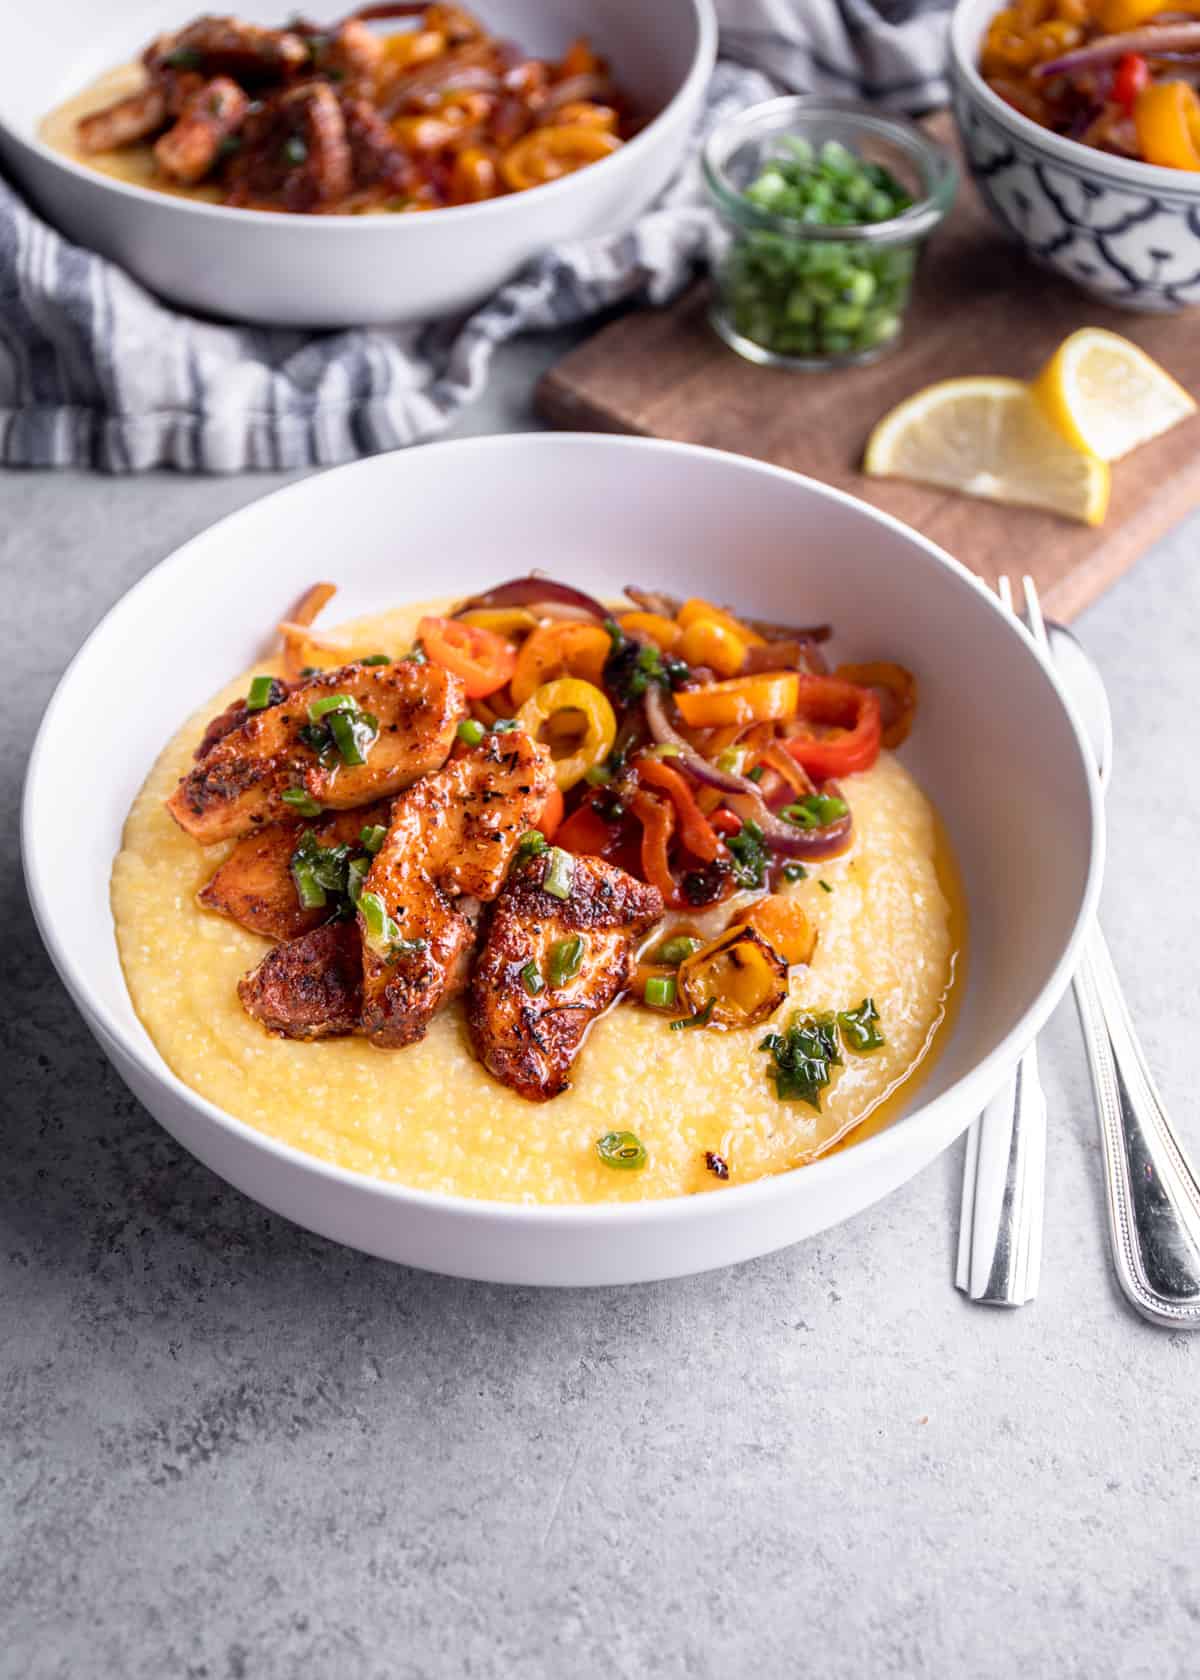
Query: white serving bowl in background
[[1125, 232], [343, 271], [996, 746]]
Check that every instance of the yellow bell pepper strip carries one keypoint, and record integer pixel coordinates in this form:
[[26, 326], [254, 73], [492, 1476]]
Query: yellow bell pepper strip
[[736, 981], [502, 621], [549, 153], [1167, 118], [560, 650], [663, 631], [1114, 17], [571, 694], [768, 698], [695, 609], [706, 642]]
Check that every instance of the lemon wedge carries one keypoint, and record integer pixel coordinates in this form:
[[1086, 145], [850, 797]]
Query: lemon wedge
[[989, 438], [1107, 396]]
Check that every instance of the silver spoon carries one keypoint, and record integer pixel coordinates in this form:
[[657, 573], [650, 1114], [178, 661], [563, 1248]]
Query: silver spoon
[[1153, 1195]]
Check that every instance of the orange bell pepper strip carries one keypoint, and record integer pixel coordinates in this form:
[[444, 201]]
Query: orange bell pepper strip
[[585, 833], [482, 659], [695, 610], [899, 686], [552, 814], [1167, 118], [664, 631], [560, 650], [852, 717], [784, 925], [769, 698], [694, 828], [657, 817]]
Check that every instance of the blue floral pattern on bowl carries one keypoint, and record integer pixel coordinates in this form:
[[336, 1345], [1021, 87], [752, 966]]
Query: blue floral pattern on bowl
[[1135, 248]]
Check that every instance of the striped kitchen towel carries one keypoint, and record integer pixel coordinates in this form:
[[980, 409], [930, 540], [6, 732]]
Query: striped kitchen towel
[[96, 372]]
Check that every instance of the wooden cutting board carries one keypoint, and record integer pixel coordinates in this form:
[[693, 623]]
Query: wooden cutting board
[[980, 308]]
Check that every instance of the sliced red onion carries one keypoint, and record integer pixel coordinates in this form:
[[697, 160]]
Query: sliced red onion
[[785, 656], [529, 591], [651, 600], [1164, 37], [743, 795], [785, 837], [588, 87]]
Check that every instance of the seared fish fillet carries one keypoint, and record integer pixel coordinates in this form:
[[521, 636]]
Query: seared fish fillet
[[310, 987], [450, 843], [254, 885], [529, 1040], [239, 784]]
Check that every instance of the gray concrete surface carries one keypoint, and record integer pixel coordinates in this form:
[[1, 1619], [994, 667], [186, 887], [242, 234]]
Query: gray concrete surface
[[229, 1449]]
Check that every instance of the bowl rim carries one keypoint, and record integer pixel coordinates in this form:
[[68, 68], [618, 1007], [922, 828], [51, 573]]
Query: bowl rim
[[698, 72], [978, 1083], [1122, 173]]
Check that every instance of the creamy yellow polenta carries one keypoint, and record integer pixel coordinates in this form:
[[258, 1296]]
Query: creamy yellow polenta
[[430, 1117], [133, 164]]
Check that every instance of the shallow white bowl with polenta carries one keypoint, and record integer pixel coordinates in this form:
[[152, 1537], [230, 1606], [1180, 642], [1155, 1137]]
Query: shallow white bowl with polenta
[[417, 1155]]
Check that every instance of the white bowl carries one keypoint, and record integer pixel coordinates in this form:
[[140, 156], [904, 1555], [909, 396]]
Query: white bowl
[[996, 746], [1127, 233], [340, 271]]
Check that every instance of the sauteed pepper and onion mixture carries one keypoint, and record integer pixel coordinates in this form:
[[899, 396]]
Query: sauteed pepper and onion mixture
[[546, 804], [1120, 75], [337, 118]]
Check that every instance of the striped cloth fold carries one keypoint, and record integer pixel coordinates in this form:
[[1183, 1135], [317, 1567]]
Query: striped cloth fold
[[96, 372]]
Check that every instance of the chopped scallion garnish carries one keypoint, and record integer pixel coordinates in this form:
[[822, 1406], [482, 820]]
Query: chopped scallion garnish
[[560, 872], [372, 837], [301, 801], [470, 730], [531, 844], [660, 991], [309, 890], [566, 959], [860, 1027], [622, 1150], [824, 886], [816, 810], [699, 1019], [382, 932], [532, 980], [353, 732], [356, 874], [504, 726], [261, 694], [795, 872], [677, 950], [375, 659], [755, 775], [329, 703]]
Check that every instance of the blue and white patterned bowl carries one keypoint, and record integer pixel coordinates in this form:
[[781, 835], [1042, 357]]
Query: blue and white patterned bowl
[[1126, 232]]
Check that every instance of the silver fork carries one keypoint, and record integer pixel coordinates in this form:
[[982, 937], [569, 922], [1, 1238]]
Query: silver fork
[[1004, 1173]]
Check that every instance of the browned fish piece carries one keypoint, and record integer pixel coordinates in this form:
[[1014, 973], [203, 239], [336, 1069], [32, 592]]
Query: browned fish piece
[[234, 715], [210, 115], [295, 153], [225, 46], [238, 785], [451, 840], [254, 885], [134, 118], [529, 1042], [309, 987]]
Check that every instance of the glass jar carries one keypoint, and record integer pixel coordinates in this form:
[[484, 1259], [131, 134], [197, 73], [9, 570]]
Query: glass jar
[[820, 288]]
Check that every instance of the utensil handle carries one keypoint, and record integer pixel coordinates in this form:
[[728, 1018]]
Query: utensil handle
[[1153, 1196], [1003, 1194]]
